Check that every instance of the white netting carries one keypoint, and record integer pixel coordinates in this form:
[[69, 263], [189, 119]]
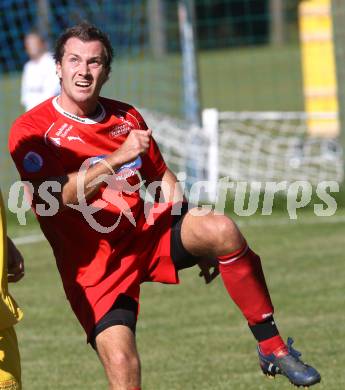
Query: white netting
[[184, 146], [275, 146], [253, 146]]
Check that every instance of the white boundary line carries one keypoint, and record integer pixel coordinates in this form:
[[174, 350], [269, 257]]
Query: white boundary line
[[35, 238], [30, 239], [287, 221]]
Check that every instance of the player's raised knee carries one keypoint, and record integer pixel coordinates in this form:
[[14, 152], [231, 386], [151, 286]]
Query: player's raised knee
[[226, 232], [204, 230], [217, 231]]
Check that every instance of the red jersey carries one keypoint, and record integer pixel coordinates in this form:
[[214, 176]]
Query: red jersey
[[49, 142]]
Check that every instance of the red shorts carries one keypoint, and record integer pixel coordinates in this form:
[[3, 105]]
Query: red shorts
[[144, 257]]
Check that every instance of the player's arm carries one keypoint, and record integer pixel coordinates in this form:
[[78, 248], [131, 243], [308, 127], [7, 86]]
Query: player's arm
[[170, 187], [15, 262], [136, 143]]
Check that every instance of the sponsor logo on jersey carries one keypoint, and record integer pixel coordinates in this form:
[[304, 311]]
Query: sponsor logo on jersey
[[97, 159], [123, 128], [64, 130], [125, 171], [132, 165], [75, 138], [63, 133], [32, 162], [56, 140], [129, 169]]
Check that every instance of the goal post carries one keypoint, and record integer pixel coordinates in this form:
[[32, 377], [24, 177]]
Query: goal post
[[318, 65], [268, 146], [191, 94], [210, 126], [338, 12]]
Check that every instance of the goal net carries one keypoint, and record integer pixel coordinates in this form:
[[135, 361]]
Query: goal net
[[274, 146], [248, 146]]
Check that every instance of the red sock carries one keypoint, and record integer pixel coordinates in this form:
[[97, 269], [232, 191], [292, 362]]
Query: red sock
[[244, 279], [274, 345]]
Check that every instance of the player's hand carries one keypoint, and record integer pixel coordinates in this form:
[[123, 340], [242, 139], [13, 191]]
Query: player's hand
[[137, 143], [15, 263], [209, 269]]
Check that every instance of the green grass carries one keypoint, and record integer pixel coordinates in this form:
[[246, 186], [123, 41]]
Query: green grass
[[192, 336]]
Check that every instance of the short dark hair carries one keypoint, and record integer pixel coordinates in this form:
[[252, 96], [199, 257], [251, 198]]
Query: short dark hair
[[86, 32]]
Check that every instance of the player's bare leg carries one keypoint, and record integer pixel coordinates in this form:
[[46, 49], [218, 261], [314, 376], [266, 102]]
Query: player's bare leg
[[210, 235], [118, 353], [218, 236]]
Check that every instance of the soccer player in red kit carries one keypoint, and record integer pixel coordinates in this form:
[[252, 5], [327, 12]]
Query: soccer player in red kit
[[104, 259]]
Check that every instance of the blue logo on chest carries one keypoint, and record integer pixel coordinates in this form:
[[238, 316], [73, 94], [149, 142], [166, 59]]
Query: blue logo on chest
[[32, 162], [132, 165]]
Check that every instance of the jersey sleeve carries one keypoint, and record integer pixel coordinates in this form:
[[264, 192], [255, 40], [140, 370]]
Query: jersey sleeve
[[34, 159], [154, 165]]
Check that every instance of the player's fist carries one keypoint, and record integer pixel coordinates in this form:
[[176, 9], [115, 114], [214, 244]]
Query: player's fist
[[209, 269], [137, 142]]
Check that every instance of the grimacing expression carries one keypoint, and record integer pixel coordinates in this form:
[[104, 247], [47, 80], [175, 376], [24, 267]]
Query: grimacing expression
[[82, 70]]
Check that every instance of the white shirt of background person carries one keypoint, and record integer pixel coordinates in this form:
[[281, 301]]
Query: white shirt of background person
[[39, 79]]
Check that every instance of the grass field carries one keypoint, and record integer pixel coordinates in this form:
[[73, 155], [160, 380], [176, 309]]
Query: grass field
[[192, 336]]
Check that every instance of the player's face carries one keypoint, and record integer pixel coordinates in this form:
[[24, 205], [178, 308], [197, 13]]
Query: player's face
[[82, 72]]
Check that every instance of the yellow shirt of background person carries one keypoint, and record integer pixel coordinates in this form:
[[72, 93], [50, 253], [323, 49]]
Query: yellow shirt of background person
[[11, 269], [10, 313]]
